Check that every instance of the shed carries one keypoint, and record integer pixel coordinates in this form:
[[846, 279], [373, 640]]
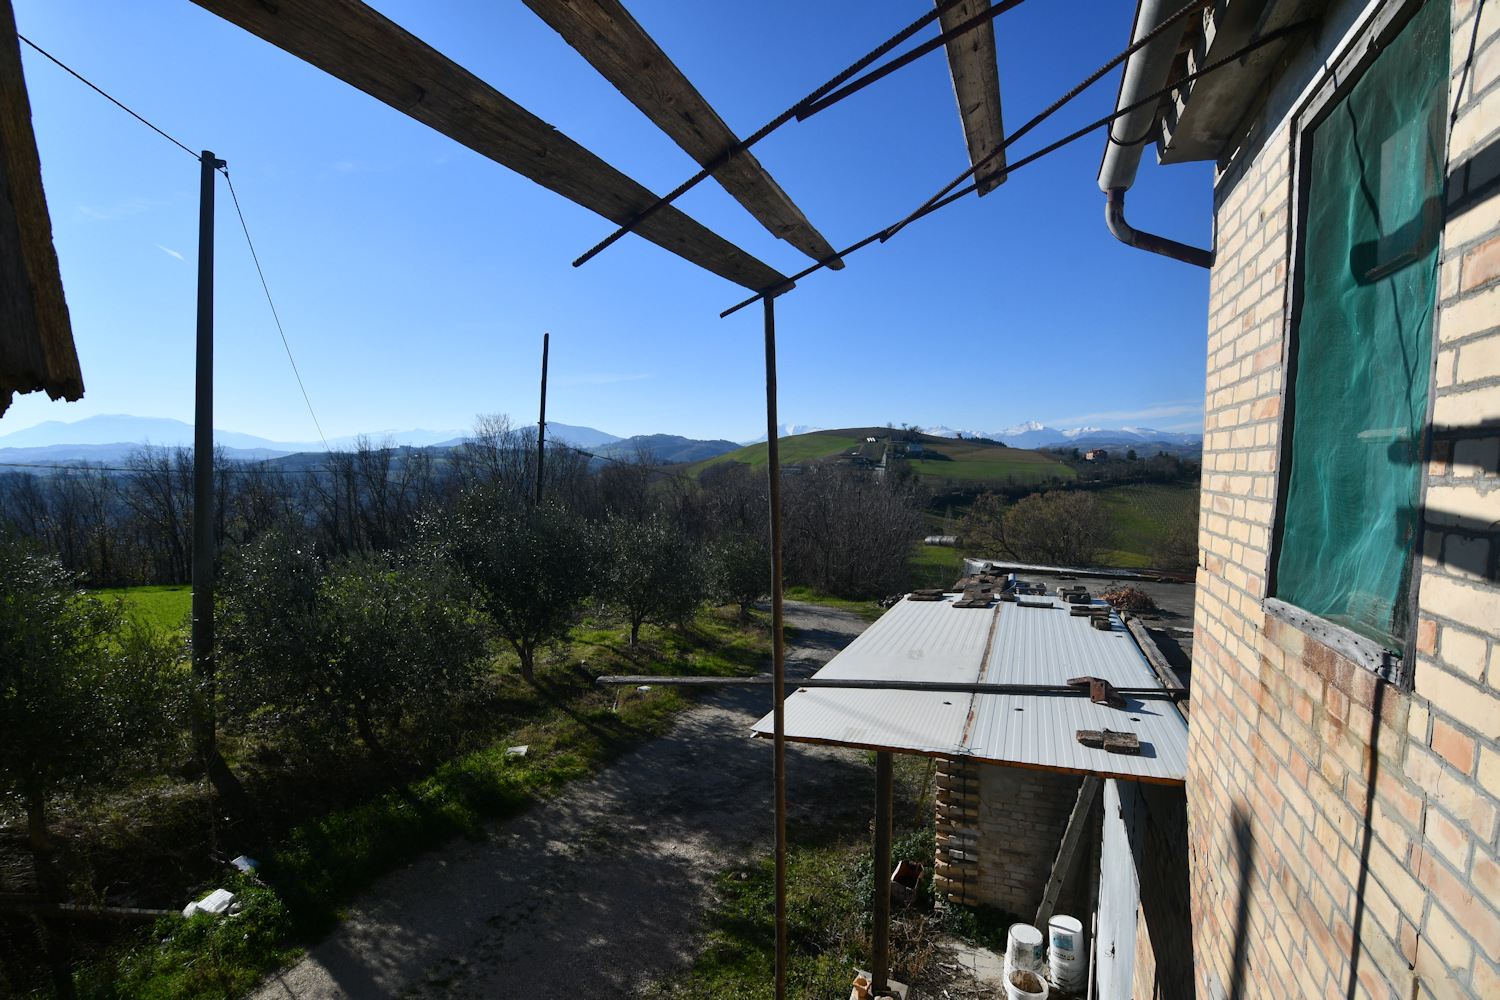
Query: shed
[[1010, 768]]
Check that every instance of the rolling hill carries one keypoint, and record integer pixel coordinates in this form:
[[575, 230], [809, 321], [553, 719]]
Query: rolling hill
[[941, 459]]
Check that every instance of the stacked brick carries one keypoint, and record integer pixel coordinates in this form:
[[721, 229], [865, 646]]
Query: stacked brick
[[957, 876], [1345, 832], [999, 829]]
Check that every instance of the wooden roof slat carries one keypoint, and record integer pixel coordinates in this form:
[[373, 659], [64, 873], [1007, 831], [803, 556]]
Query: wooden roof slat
[[614, 43], [367, 50], [976, 84], [36, 335]]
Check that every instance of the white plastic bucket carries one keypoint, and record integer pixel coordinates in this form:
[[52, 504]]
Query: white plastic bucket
[[1066, 961], [1021, 991], [1024, 949]]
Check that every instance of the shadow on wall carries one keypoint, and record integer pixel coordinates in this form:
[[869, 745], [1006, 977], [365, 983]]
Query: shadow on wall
[[1243, 844]]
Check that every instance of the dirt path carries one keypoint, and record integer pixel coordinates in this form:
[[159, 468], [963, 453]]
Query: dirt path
[[592, 894]]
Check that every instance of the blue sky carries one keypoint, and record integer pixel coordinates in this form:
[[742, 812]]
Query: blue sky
[[415, 278]]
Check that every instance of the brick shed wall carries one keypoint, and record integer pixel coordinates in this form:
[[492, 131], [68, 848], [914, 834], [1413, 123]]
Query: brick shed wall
[[1307, 877], [999, 829]]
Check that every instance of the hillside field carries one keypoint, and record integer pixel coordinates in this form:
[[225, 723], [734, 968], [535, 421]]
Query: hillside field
[[1142, 512], [943, 458]]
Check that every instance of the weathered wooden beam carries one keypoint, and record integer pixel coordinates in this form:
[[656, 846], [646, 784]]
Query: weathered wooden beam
[[36, 336], [1067, 851], [365, 49], [976, 84], [615, 44], [76, 912], [1154, 656]]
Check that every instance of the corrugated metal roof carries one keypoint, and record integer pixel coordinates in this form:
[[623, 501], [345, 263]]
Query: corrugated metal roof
[[1006, 644]]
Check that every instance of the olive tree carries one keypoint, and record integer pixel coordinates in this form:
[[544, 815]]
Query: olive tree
[[330, 647], [741, 569], [530, 566], [651, 573], [86, 696]]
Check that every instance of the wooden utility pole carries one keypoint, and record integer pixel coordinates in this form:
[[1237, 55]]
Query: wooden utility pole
[[205, 744], [541, 421]]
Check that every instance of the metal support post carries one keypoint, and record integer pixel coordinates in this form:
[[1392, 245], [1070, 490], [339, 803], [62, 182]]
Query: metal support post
[[884, 784], [541, 421], [778, 646], [204, 735]]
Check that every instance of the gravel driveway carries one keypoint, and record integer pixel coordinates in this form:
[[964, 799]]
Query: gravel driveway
[[593, 893]]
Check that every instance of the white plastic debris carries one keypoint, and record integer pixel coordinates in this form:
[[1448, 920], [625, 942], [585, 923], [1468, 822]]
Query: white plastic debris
[[644, 687], [217, 902], [519, 751], [246, 865]]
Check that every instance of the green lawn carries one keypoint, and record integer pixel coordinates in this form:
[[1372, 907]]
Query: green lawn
[[165, 608], [935, 566]]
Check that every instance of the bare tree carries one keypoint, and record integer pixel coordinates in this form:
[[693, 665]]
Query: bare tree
[[848, 532]]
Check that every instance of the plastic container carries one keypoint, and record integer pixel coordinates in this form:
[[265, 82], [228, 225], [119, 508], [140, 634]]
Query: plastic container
[[1067, 964], [1023, 985], [1023, 950]]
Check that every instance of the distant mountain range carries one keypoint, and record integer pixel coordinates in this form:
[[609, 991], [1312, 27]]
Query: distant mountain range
[[111, 437], [1034, 435]]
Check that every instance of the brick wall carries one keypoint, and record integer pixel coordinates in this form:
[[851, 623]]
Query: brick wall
[[1343, 831], [999, 829]]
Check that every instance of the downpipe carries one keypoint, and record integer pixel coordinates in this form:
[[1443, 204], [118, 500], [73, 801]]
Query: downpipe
[[1114, 217]]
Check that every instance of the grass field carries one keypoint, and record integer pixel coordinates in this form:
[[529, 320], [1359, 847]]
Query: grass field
[[1142, 512], [973, 461], [935, 566], [797, 448], [164, 607]]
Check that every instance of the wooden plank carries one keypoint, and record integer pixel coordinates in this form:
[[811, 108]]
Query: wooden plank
[[1154, 655], [349, 40], [615, 44], [1067, 851], [36, 336], [976, 84]]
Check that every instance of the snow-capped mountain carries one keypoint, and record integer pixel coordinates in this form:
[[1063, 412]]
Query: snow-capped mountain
[[1032, 434]]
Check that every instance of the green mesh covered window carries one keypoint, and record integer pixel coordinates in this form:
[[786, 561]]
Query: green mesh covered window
[[1363, 347]]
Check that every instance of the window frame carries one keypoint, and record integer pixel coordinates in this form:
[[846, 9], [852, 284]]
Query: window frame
[[1319, 102]]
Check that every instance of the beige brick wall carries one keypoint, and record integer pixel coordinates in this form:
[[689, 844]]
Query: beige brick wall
[[1308, 877], [999, 829]]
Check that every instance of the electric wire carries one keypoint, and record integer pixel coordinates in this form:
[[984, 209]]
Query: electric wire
[[1051, 109], [106, 96], [238, 210], [941, 202], [269, 301], [768, 128]]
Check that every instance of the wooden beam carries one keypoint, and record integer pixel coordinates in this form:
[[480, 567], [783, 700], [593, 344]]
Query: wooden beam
[[976, 84], [36, 336], [615, 44], [1067, 851], [1154, 656], [365, 49]]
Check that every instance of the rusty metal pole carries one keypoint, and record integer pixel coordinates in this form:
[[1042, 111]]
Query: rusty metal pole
[[884, 784], [541, 420], [778, 647]]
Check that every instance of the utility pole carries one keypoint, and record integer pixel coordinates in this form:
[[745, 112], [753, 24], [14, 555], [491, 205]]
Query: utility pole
[[541, 421], [205, 743]]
